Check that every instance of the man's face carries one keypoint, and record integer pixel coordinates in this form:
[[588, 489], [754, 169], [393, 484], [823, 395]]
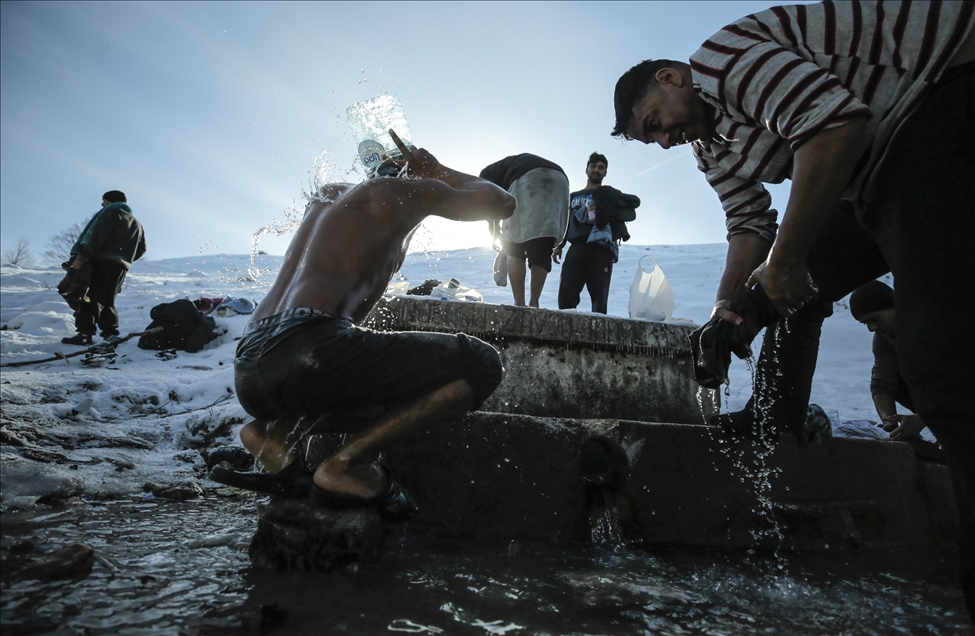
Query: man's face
[[882, 321], [669, 115], [596, 172]]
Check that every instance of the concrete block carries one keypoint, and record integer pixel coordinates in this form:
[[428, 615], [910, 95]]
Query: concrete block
[[569, 364], [514, 476]]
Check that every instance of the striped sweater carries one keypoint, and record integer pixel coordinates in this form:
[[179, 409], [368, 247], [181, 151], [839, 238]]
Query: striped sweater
[[777, 77]]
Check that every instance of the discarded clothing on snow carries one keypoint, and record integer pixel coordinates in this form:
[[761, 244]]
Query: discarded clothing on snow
[[228, 306], [183, 328]]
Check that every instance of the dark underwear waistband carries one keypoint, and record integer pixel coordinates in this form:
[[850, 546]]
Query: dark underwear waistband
[[285, 316]]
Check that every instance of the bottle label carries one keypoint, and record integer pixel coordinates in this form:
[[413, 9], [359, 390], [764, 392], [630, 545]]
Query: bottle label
[[371, 154]]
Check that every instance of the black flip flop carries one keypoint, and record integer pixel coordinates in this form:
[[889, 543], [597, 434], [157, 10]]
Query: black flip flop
[[292, 481], [395, 503]]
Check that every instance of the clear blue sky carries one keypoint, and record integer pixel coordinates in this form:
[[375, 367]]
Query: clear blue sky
[[210, 115]]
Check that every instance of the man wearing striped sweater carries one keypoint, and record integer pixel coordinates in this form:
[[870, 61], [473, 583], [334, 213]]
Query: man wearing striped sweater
[[869, 108]]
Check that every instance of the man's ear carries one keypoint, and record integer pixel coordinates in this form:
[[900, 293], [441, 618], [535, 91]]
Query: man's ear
[[669, 77]]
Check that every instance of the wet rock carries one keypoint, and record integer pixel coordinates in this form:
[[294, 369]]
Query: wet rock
[[181, 491], [72, 560], [301, 535], [234, 457]]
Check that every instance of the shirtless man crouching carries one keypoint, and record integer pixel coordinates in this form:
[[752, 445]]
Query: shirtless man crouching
[[302, 356]]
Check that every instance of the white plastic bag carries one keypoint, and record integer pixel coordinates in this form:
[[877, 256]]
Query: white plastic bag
[[501, 270], [453, 290], [651, 297]]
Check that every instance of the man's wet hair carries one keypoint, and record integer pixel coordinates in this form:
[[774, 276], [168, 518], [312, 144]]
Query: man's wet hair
[[596, 158], [633, 86]]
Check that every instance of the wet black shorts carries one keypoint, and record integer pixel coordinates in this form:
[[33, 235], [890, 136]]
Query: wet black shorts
[[304, 362], [538, 251]]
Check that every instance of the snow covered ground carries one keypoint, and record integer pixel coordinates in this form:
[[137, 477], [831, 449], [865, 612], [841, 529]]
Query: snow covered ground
[[149, 417]]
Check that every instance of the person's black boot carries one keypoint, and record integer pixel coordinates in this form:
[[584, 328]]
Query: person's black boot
[[81, 339]]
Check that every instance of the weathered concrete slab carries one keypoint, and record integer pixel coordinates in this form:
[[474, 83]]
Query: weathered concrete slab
[[514, 476], [568, 364]]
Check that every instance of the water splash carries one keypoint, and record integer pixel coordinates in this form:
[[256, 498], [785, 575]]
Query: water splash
[[323, 175], [604, 521]]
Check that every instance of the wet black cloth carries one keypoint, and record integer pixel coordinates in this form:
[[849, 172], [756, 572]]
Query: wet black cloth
[[713, 343], [304, 362], [843, 257], [106, 282], [505, 172], [183, 328]]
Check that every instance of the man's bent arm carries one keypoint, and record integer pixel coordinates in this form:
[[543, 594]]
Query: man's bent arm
[[465, 197], [885, 405], [746, 251], [822, 168]]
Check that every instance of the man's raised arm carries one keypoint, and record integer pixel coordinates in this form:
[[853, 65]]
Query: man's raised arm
[[451, 194]]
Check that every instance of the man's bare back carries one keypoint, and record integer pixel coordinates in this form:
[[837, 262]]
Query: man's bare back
[[355, 237], [294, 363]]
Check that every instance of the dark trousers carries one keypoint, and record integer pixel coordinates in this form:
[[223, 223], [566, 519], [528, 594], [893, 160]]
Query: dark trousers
[[920, 221], [586, 265], [106, 283], [923, 218]]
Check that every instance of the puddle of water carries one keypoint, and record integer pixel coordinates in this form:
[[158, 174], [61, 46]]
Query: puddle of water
[[183, 569]]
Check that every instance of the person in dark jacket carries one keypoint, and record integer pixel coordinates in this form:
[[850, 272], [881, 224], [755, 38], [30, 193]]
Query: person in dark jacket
[[100, 258], [597, 223]]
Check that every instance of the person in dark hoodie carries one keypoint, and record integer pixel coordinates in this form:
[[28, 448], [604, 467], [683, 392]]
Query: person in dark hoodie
[[100, 258]]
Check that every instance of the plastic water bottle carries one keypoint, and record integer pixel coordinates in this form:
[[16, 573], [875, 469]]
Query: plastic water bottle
[[371, 120]]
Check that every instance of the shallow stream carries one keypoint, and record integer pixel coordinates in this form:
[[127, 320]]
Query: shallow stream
[[182, 568]]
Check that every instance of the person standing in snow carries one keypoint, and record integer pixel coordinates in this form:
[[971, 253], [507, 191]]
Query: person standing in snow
[[100, 259], [541, 190], [597, 223], [303, 359]]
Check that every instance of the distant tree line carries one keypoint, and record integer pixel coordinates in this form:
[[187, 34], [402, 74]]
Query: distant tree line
[[20, 255], [58, 248]]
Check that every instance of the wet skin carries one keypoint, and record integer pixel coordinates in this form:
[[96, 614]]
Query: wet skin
[[350, 243]]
